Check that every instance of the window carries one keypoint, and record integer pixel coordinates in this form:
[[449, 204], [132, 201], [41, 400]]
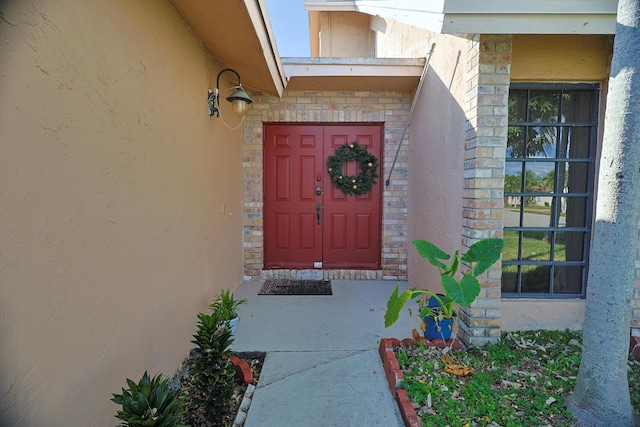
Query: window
[[548, 189]]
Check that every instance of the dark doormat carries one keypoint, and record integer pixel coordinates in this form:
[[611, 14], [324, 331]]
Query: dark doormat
[[295, 287]]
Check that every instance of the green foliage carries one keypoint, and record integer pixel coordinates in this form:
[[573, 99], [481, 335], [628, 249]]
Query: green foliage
[[209, 365], [151, 403], [226, 305], [481, 255], [394, 305], [521, 380]]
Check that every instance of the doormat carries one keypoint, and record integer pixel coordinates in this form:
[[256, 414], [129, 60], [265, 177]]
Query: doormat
[[295, 287]]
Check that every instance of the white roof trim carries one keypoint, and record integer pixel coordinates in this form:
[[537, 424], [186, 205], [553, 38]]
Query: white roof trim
[[352, 67], [488, 16]]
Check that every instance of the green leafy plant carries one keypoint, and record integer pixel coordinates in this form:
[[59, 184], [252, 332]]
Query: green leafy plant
[[209, 365], [151, 402], [225, 304], [481, 255]]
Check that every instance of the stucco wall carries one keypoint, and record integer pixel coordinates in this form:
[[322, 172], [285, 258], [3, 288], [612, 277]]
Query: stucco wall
[[345, 34], [120, 203], [436, 158], [400, 40], [561, 58]]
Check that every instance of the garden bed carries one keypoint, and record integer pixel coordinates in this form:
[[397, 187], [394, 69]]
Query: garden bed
[[248, 367], [523, 380]]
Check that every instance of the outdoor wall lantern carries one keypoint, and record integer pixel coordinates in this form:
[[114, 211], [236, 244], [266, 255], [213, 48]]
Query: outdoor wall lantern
[[239, 99]]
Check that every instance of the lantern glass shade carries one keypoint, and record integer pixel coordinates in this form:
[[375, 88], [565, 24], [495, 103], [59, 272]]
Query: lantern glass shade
[[239, 101]]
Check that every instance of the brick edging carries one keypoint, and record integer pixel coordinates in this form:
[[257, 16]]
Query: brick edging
[[243, 371], [634, 347], [395, 375]]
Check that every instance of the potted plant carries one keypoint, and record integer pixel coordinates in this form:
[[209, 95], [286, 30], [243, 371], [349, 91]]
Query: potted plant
[[437, 309], [227, 307]]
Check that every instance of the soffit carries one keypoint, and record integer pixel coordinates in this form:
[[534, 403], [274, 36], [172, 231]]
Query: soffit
[[238, 35], [353, 74], [488, 16]]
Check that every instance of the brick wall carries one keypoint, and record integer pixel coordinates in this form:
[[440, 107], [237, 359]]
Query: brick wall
[[488, 77], [390, 108]]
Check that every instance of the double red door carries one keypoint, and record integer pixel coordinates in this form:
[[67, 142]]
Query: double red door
[[308, 222]]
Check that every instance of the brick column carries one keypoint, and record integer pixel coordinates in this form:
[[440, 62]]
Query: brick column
[[487, 91]]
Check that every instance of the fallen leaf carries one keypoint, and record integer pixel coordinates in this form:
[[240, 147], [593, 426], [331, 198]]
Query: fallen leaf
[[510, 384], [446, 358], [458, 370], [415, 334], [550, 401]]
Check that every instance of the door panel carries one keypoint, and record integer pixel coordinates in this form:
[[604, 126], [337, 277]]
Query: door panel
[[345, 232], [353, 238], [293, 160]]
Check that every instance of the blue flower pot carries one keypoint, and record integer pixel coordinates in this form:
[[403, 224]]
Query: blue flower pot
[[434, 328], [438, 329]]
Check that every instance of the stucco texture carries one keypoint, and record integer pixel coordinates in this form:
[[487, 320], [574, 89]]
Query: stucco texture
[[436, 158], [120, 202]]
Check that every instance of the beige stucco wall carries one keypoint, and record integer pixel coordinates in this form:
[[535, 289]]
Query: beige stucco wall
[[345, 34], [530, 314], [120, 203], [436, 158], [561, 58], [398, 40]]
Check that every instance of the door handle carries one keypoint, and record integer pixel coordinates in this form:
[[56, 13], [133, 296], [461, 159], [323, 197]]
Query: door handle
[[318, 207]]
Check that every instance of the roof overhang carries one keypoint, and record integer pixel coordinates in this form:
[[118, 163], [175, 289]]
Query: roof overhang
[[353, 74], [238, 35], [488, 16]]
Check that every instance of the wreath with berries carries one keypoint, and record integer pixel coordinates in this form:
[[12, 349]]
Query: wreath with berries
[[357, 184]]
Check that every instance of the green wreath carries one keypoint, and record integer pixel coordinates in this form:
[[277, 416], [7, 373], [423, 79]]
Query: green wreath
[[359, 184]]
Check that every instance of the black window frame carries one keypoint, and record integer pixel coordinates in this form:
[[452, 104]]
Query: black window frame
[[589, 194]]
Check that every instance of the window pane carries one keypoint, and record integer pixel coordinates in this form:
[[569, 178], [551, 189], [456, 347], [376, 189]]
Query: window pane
[[569, 246], [543, 106], [510, 250], [574, 143], [541, 142], [576, 107], [517, 105], [512, 212], [515, 142], [538, 215], [510, 278], [539, 177], [573, 212], [535, 279], [535, 246], [567, 279], [575, 179]]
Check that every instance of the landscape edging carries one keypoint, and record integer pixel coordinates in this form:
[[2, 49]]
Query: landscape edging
[[395, 375]]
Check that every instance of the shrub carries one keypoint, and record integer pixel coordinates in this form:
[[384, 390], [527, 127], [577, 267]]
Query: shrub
[[209, 365], [151, 402]]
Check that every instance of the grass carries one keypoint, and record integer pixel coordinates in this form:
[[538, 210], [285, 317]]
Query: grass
[[521, 380]]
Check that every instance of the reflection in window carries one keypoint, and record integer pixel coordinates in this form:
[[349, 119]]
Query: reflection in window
[[548, 189]]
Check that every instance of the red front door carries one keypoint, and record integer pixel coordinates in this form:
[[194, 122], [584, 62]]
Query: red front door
[[308, 222]]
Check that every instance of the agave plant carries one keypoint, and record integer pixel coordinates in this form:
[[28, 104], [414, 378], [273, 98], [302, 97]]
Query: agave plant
[[150, 403]]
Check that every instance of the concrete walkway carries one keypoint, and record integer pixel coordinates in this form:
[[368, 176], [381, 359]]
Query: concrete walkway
[[322, 367]]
